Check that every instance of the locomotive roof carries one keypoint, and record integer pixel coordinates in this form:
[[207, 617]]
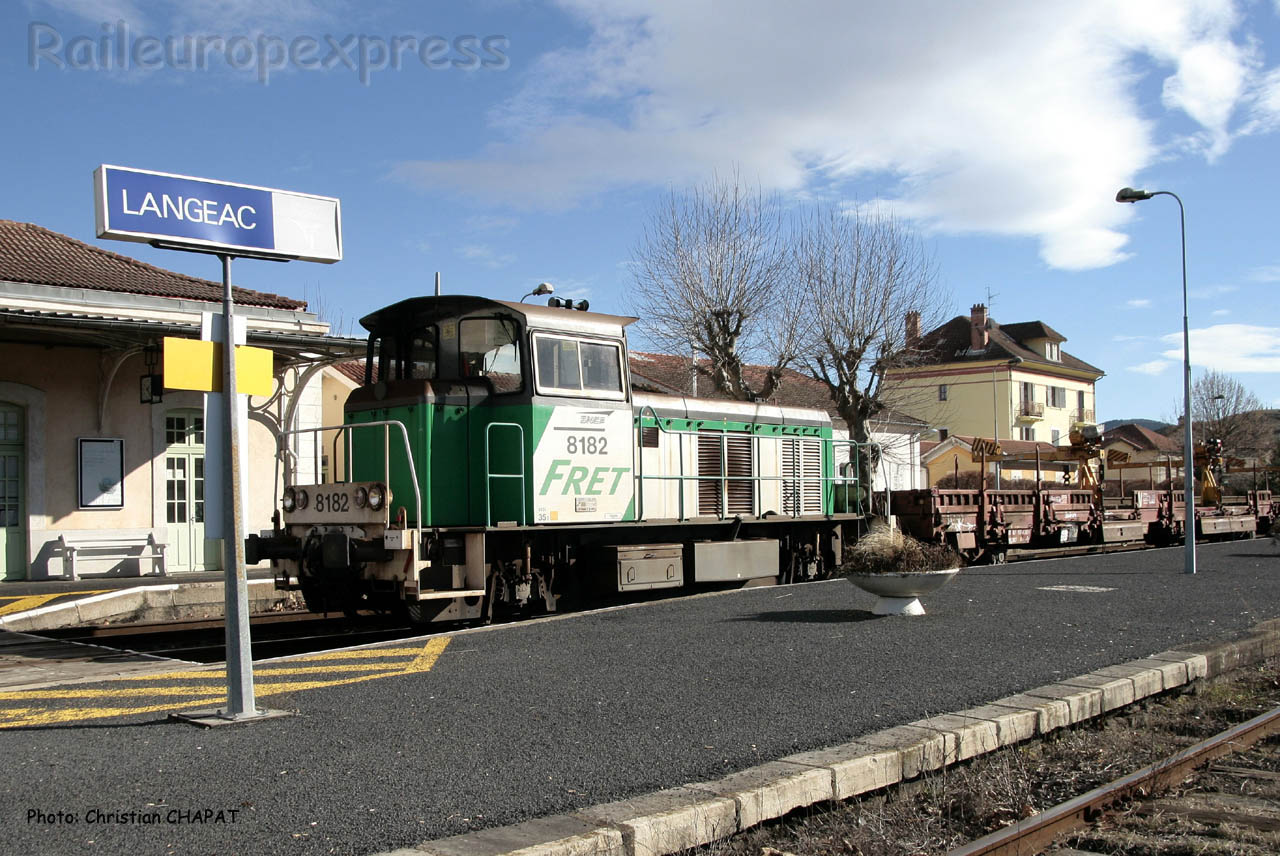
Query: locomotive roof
[[417, 311]]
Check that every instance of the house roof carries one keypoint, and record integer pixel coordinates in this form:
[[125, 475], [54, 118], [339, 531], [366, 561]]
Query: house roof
[[1010, 448], [1023, 331], [950, 343], [34, 254], [1142, 439], [672, 374]]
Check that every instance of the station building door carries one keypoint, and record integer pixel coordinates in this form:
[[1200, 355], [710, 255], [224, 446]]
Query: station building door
[[13, 516], [184, 492]]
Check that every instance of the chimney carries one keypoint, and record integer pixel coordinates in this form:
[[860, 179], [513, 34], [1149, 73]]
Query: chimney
[[978, 327], [913, 329]]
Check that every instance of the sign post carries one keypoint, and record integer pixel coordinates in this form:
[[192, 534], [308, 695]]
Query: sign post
[[230, 221]]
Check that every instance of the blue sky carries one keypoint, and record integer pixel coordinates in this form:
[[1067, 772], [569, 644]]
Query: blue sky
[[1001, 129]]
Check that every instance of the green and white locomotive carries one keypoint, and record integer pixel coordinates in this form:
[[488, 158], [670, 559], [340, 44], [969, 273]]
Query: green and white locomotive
[[497, 458]]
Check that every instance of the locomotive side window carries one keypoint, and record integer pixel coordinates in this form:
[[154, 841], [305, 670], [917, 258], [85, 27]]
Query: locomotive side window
[[558, 366], [489, 347], [601, 367], [422, 355], [578, 367]]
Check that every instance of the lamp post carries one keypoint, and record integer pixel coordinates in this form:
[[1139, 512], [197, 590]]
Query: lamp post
[[1128, 194]]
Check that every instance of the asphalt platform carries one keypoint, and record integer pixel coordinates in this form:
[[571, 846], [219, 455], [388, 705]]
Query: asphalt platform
[[432, 737]]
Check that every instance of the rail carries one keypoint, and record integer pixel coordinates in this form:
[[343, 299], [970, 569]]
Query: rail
[[1031, 408], [346, 432], [1039, 832], [827, 483], [489, 475]]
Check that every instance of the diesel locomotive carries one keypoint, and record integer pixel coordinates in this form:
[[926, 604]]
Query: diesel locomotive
[[496, 458]]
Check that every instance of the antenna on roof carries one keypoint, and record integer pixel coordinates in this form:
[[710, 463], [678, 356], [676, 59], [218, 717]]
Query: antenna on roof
[[991, 300]]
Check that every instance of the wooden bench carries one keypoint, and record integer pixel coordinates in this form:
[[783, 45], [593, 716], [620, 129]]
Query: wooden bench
[[120, 548]]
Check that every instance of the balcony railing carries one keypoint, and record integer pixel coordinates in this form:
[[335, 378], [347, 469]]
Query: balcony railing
[[1030, 410], [1083, 417]]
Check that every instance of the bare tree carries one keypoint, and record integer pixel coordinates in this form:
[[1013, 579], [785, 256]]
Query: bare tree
[[862, 271], [711, 277], [1222, 408]]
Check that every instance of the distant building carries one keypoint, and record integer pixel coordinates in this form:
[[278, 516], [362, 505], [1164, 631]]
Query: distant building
[[1133, 444], [82, 458], [977, 378]]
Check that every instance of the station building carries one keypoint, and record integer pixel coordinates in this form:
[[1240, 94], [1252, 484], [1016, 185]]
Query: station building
[[101, 470]]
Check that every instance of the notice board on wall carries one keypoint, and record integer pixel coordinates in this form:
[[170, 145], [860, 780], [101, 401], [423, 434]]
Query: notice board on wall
[[100, 463]]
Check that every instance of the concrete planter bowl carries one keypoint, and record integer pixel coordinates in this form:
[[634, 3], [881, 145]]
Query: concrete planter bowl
[[898, 593]]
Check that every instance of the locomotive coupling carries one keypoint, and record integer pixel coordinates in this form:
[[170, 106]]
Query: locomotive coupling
[[278, 546]]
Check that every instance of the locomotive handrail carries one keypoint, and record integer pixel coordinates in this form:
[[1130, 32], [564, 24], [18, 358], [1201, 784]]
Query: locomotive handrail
[[343, 430], [488, 476], [723, 477]]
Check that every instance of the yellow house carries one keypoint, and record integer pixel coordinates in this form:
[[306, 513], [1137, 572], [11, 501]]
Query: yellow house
[[976, 378]]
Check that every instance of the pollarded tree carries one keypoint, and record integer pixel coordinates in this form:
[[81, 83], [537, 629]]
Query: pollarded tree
[[1222, 408], [863, 272], [711, 277]]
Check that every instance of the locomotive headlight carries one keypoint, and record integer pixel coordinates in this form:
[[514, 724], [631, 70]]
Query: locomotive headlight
[[362, 497], [301, 498], [377, 496], [290, 500]]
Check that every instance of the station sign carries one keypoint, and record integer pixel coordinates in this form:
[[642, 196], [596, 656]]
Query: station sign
[[212, 216]]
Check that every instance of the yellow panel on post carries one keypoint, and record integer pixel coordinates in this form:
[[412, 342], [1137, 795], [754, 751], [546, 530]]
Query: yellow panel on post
[[197, 364]]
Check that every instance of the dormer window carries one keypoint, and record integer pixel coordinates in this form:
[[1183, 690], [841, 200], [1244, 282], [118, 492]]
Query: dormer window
[[1052, 351]]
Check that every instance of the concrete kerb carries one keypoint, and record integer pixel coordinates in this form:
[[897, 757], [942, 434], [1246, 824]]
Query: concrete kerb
[[669, 821]]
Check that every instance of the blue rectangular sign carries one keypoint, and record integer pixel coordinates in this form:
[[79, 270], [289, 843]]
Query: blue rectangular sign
[[137, 205]]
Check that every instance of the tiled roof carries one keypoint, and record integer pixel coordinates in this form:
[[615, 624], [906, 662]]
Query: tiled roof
[[1142, 439], [670, 374], [34, 254], [353, 369], [1023, 331], [1016, 448], [950, 344]]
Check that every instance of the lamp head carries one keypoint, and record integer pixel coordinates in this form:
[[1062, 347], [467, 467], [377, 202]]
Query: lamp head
[[1128, 194], [543, 288]]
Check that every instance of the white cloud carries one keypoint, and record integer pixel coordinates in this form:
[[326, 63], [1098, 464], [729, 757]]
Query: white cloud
[[1209, 292], [944, 104], [1139, 303], [1265, 273], [485, 223], [1220, 313], [485, 255], [1153, 367], [1230, 348]]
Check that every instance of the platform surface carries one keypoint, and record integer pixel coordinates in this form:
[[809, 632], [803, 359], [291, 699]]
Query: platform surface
[[431, 737]]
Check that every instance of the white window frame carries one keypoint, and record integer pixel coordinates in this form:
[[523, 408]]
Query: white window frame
[[581, 392]]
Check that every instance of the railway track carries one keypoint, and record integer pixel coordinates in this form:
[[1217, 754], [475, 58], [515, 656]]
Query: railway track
[[273, 635], [1146, 820], [1221, 797]]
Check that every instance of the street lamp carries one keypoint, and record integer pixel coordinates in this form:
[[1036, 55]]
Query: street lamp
[[1128, 194]]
